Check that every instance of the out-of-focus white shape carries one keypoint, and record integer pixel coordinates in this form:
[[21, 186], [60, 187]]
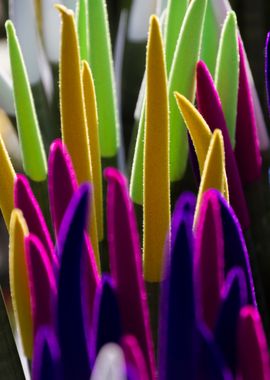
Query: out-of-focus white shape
[[110, 364], [221, 8], [140, 12], [70, 4], [161, 5], [22, 13], [51, 29], [22, 356], [6, 94]]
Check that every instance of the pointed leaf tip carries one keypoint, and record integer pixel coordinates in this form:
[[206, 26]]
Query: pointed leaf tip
[[209, 258], [107, 326], [71, 311], [252, 345], [42, 283], [19, 280], [25, 200], [177, 310], [126, 264], [33, 153], [156, 181]]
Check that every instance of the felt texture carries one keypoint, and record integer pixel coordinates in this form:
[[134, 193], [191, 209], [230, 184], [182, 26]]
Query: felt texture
[[247, 150], [267, 69], [7, 179], [70, 306], [62, 184], [25, 200], [210, 108], [33, 154], [210, 363], [234, 297], [198, 129], [107, 327], [82, 28], [175, 14], [134, 357], [126, 265], [235, 250], [214, 168], [199, 132], [156, 181], [46, 359], [182, 79], [41, 282], [19, 283], [227, 72], [221, 8], [110, 364], [210, 38], [209, 258], [100, 60], [253, 356], [177, 304], [73, 109], [92, 127]]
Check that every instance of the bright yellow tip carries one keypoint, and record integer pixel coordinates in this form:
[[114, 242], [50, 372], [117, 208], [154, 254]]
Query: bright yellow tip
[[73, 116], [18, 277], [199, 131], [156, 202], [214, 175], [7, 179], [92, 128], [64, 10]]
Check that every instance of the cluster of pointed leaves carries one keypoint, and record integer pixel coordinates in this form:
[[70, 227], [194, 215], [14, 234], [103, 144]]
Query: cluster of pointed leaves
[[85, 325]]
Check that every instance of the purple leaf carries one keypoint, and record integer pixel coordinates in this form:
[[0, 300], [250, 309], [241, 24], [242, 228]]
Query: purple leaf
[[209, 105], [126, 265], [43, 289], [25, 200], [247, 149], [209, 258], [71, 306], [177, 309]]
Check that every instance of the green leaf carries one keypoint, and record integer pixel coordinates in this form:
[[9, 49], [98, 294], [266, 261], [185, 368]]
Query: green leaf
[[175, 14], [182, 79], [100, 60], [82, 27], [227, 72], [33, 154]]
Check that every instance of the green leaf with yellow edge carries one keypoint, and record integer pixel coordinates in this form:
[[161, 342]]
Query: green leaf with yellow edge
[[73, 115], [156, 200], [92, 127], [100, 60], [175, 14], [210, 39], [227, 72], [82, 28], [18, 277], [33, 154], [182, 79], [213, 171]]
